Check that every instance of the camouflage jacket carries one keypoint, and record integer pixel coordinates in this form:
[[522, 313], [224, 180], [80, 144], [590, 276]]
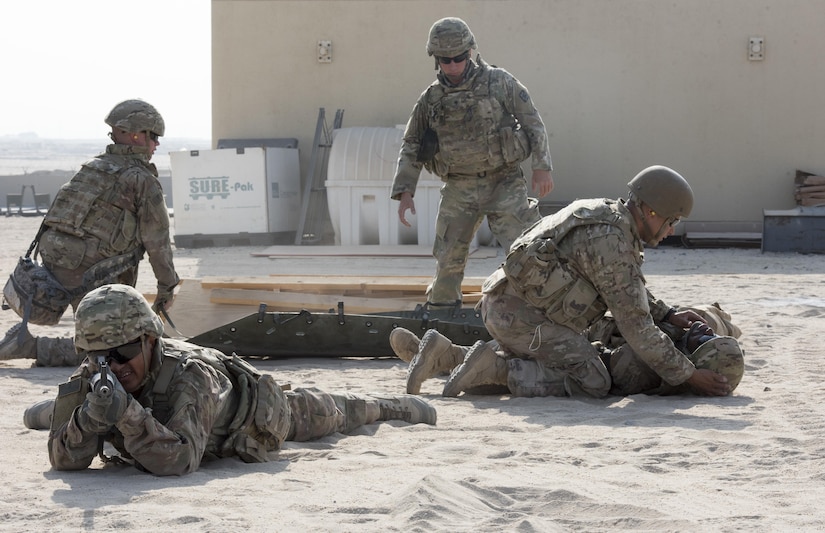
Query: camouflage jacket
[[193, 424], [486, 123], [594, 242], [114, 205]]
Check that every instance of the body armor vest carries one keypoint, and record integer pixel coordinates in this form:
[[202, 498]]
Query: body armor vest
[[261, 409], [91, 205], [475, 132], [542, 274]]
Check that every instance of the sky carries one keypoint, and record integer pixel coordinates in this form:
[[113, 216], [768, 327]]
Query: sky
[[65, 63]]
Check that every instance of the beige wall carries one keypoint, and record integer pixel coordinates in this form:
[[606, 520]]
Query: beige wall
[[621, 84]]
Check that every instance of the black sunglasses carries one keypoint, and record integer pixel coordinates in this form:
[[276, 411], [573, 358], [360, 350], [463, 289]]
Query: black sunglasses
[[154, 136], [122, 354], [456, 59]]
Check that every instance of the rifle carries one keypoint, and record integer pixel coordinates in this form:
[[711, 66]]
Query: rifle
[[103, 386], [102, 383]]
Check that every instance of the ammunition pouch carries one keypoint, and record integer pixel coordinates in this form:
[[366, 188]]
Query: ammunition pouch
[[428, 146], [262, 422], [70, 396], [515, 145], [537, 274]]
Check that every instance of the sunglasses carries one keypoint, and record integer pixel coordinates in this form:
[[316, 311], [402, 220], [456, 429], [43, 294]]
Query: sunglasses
[[154, 136], [674, 222], [122, 354], [456, 59]]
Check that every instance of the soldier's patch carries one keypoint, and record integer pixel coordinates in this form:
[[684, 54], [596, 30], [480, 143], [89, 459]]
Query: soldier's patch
[[524, 96]]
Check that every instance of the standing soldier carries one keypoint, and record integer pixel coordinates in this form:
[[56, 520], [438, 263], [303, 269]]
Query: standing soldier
[[100, 225], [472, 128]]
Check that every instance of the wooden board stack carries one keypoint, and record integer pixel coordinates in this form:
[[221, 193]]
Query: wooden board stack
[[810, 189], [204, 304]]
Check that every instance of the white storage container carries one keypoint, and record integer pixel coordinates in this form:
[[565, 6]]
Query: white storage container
[[362, 165], [235, 195]]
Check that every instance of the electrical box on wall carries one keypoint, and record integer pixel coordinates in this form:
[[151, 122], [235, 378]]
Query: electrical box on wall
[[756, 48], [325, 51]]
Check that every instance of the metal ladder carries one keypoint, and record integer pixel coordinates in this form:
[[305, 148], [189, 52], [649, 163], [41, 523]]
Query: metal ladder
[[314, 224]]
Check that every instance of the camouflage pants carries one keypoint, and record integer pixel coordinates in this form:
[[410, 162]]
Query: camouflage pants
[[544, 359], [60, 351], [316, 413], [502, 198]]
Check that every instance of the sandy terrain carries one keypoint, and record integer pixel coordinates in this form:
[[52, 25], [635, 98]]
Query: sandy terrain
[[754, 461]]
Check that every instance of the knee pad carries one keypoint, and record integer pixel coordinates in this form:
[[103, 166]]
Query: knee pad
[[314, 414]]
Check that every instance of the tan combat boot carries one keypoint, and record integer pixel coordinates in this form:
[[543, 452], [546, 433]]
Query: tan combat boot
[[404, 343], [481, 366], [436, 354], [404, 407], [39, 415], [18, 344]]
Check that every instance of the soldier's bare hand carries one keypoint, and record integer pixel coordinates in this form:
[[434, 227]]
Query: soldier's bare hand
[[542, 182], [684, 319], [406, 203], [708, 383]]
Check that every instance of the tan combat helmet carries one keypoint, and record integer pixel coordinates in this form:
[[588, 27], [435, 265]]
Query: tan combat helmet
[[450, 37], [136, 116], [722, 355], [664, 190], [113, 315]]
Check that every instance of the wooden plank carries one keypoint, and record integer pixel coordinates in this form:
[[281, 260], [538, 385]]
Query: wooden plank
[[318, 283], [361, 250], [193, 313]]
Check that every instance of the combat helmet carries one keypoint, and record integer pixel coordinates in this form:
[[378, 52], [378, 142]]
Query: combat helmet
[[450, 37], [664, 190], [113, 315], [136, 116], [724, 356]]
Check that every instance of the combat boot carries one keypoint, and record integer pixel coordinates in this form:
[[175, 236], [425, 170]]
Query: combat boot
[[39, 415], [404, 343], [18, 344], [481, 366], [404, 407], [436, 354]]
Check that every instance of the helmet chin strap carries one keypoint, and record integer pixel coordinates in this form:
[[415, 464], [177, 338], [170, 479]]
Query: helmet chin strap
[[657, 236]]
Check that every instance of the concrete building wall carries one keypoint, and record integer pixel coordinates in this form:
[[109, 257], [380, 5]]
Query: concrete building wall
[[621, 84]]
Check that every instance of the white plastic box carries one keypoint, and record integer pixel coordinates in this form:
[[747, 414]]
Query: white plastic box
[[235, 196]]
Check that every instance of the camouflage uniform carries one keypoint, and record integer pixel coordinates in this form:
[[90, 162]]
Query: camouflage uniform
[[576, 265], [202, 413], [486, 127], [113, 206]]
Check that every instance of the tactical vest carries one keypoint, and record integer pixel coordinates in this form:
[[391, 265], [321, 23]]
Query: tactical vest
[[88, 206], [475, 132], [262, 420], [541, 273]]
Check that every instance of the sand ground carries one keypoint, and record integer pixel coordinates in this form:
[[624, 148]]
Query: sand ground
[[754, 461]]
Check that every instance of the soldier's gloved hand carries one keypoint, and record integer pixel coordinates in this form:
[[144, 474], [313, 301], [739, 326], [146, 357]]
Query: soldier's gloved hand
[[103, 411], [87, 425], [163, 300]]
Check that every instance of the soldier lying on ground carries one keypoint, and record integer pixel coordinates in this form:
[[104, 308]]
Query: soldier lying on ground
[[561, 277], [171, 404]]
